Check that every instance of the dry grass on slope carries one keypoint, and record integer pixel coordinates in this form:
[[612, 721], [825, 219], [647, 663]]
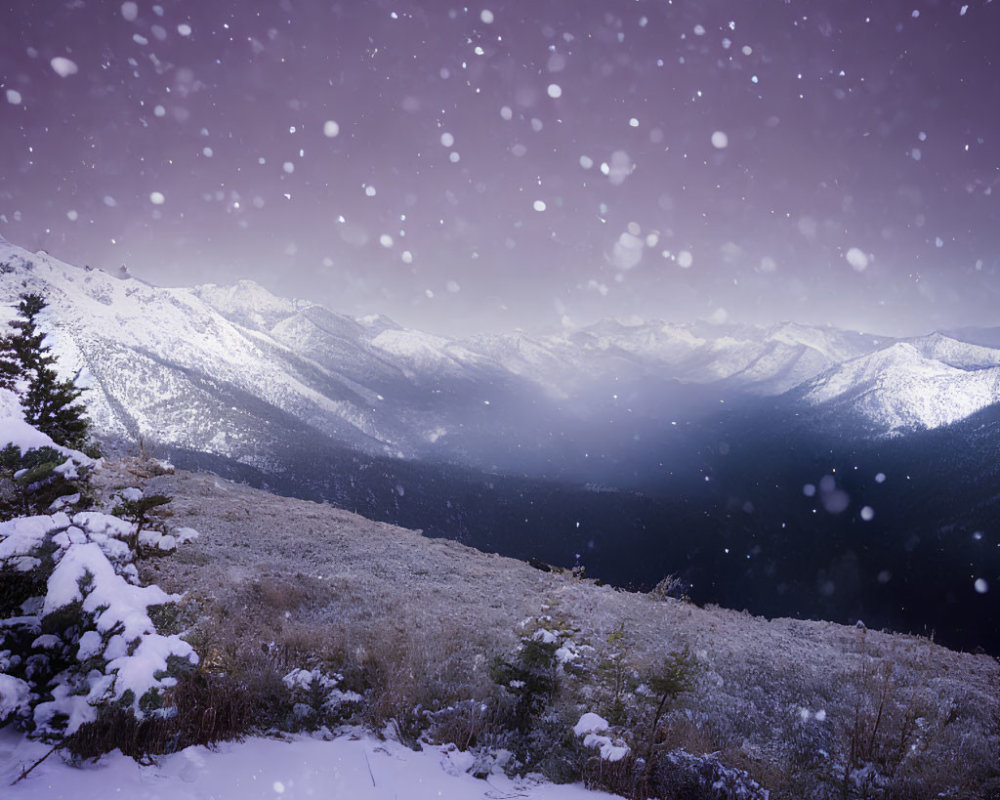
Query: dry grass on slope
[[807, 708]]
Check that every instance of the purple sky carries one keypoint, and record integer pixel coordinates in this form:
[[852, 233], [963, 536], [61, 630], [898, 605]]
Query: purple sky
[[519, 163]]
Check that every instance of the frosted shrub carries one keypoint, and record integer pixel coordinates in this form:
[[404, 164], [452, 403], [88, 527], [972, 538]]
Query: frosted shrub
[[30, 482], [317, 699], [540, 737], [149, 534], [531, 677], [679, 775], [75, 630]]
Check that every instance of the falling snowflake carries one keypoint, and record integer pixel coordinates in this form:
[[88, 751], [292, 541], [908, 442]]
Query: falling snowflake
[[857, 259], [64, 67]]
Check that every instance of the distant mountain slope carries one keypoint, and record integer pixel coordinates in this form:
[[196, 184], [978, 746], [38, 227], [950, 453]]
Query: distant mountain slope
[[761, 360], [925, 383]]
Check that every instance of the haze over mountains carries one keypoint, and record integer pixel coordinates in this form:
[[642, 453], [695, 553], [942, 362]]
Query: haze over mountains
[[743, 459], [181, 367]]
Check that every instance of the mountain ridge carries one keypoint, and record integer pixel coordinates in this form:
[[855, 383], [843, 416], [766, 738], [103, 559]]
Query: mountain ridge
[[376, 386]]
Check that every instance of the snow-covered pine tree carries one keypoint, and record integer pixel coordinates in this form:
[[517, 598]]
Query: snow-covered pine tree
[[49, 404], [10, 364], [10, 361]]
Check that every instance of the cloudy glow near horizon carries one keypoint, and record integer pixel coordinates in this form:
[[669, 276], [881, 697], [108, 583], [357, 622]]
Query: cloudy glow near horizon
[[501, 165]]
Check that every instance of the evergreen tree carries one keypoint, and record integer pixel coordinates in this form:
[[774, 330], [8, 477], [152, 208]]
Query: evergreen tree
[[10, 364], [50, 404], [26, 341]]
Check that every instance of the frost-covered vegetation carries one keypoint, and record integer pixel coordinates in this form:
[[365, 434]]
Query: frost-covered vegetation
[[534, 672], [77, 634], [529, 673]]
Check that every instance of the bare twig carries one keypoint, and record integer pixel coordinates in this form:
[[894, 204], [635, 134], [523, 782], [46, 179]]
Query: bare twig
[[368, 764], [24, 773]]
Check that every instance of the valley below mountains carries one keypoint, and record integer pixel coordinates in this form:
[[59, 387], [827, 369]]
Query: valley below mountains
[[789, 470]]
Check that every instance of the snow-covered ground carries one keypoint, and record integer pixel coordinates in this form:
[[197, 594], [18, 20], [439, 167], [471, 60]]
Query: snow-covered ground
[[347, 768]]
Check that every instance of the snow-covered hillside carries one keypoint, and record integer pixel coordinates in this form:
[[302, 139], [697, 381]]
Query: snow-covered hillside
[[231, 371]]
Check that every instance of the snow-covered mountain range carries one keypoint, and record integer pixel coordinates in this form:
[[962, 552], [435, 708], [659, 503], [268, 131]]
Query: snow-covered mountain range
[[230, 370]]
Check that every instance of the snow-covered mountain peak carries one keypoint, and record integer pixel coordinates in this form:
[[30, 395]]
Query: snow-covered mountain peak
[[899, 358], [425, 352], [379, 323], [248, 303], [902, 388], [955, 353], [831, 343]]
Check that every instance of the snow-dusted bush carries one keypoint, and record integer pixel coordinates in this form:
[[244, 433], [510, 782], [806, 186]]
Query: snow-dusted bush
[[317, 699], [539, 731], [531, 677], [679, 775], [593, 729], [616, 677], [75, 630], [150, 535], [31, 481], [35, 472], [468, 724]]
